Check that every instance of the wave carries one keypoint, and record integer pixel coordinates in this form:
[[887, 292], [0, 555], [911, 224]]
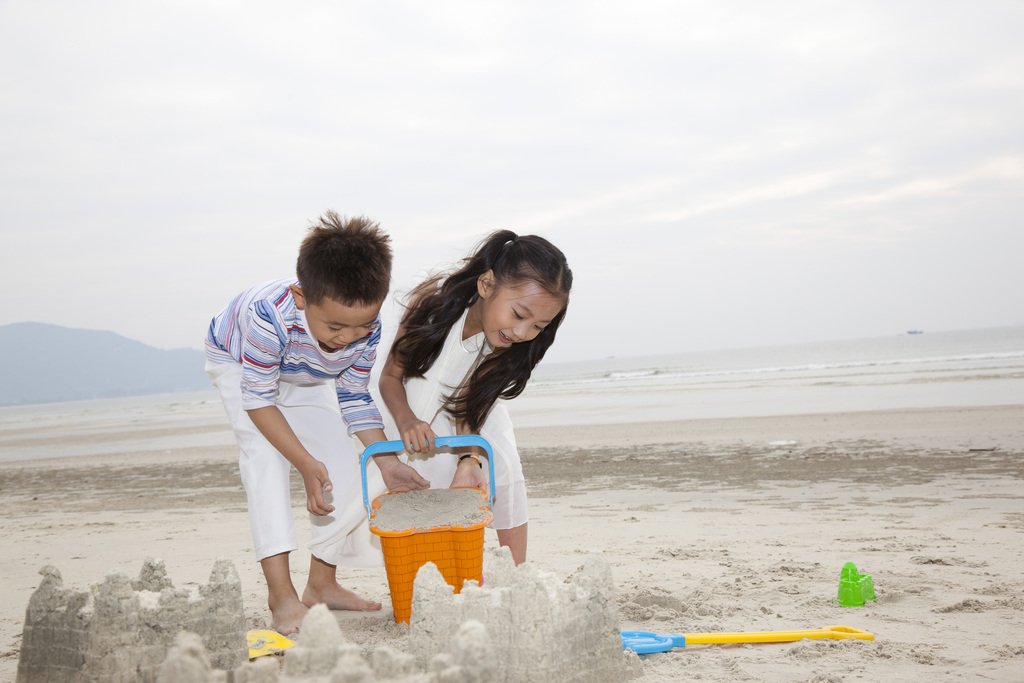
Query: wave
[[591, 376], [632, 374]]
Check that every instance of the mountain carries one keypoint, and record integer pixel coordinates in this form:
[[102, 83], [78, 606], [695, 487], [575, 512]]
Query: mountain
[[42, 363]]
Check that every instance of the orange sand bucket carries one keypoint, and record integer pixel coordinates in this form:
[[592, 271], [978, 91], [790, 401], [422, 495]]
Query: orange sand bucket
[[458, 551]]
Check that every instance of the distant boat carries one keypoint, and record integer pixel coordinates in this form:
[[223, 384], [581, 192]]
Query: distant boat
[[914, 332]]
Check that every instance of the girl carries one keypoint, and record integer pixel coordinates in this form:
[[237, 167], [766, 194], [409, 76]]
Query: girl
[[464, 342]]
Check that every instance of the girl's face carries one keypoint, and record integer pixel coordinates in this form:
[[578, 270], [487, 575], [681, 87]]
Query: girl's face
[[514, 313]]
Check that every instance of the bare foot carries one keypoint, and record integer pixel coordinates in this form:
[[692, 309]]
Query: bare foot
[[287, 616], [336, 597]]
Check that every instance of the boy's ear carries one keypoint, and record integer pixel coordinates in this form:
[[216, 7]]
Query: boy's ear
[[300, 298], [485, 284]]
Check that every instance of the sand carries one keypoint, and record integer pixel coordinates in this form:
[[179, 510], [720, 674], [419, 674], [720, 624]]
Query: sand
[[431, 509], [708, 526]]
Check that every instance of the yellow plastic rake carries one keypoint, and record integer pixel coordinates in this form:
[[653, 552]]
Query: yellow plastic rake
[[645, 642]]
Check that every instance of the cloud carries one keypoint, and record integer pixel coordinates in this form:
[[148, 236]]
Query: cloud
[[716, 172]]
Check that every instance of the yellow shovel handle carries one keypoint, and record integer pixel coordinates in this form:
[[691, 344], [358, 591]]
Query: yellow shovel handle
[[832, 632]]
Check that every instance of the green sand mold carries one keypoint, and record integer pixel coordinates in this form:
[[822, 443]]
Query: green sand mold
[[854, 588]]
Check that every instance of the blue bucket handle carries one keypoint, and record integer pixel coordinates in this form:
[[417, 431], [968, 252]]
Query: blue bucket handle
[[440, 442]]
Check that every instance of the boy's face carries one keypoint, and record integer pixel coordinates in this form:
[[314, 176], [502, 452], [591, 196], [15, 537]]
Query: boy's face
[[333, 324]]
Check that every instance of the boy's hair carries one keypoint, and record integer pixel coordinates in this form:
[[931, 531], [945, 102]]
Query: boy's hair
[[346, 260], [434, 309]]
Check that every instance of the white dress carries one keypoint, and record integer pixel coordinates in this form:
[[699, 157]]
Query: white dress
[[426, 396]]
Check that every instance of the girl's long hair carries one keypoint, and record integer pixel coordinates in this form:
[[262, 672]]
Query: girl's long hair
[[434, 309]]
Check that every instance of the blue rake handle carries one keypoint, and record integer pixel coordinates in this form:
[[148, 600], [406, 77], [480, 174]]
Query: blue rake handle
[[440, 442]]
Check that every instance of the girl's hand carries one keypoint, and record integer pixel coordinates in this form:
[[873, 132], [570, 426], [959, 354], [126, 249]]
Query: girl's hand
[[398, 476], [417, 436], [317, 483], [469, 473]]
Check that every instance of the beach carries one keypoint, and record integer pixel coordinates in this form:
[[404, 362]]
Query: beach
[[732, 524]]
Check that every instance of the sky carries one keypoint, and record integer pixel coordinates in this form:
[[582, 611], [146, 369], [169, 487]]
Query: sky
[[719, 174]]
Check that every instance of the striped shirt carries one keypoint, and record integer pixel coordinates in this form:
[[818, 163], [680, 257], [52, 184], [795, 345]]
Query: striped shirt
[[265, 331]]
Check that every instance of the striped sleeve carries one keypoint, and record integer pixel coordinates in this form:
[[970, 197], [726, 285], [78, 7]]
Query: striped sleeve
[[262, 351], [353, 386]]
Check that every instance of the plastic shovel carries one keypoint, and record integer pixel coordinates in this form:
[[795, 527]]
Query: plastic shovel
[[645, 642], [266, 642]]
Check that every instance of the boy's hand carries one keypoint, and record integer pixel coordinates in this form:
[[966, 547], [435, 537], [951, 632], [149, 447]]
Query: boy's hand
[[469, 473], [317, 483], [417, 436], [398, 476]]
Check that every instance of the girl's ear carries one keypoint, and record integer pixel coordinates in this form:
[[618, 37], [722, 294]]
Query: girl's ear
[[485, 284]]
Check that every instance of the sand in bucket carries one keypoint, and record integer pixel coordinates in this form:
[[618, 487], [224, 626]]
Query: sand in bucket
[[424, 510]]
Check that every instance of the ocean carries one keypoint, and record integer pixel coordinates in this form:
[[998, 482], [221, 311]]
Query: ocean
[[933, 369], [957, 368]]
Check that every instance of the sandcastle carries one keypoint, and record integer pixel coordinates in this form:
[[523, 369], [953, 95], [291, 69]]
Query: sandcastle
[[538, 628], [322, 654], [121, 630], [520, 626]]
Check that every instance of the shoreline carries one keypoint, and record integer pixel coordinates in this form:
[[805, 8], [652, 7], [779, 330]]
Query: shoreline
[[710, 525], [999, 425]]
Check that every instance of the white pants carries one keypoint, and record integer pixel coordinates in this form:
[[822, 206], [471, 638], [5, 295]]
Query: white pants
[[340, 538]]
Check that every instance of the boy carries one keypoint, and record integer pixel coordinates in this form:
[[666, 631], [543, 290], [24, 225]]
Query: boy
[[274, 354]]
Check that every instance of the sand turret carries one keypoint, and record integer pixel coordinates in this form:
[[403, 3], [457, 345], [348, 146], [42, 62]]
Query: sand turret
[[121, 630]]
